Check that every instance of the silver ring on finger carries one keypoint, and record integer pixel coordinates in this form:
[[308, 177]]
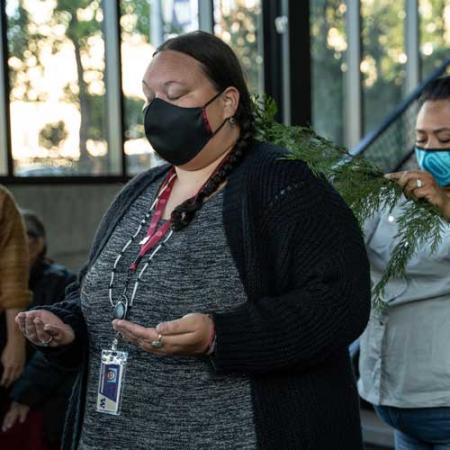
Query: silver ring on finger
[[419, 183], [46, 343], [158, 343]]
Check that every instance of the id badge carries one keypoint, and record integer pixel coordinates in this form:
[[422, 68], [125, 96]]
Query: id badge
[[112, 377]]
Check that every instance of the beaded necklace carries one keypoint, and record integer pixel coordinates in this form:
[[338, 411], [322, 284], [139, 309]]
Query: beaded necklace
[[152, 243]]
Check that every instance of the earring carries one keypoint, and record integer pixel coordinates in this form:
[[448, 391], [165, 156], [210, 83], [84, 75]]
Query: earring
[[232, 121]]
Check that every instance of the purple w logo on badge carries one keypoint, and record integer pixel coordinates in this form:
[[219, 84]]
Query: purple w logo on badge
[[103, 403]]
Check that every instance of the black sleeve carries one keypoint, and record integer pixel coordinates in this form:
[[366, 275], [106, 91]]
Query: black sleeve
[[69, 311], [51, 288], [39, 381], [327, 306]]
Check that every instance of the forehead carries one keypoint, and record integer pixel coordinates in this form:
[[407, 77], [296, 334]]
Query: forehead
[[170, 65], [434, 114]]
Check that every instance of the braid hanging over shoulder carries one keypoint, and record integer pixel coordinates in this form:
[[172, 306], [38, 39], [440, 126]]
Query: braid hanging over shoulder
[[183, 214]]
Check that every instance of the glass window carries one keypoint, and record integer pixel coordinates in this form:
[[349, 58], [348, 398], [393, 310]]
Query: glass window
[[239, 24], [383, 59], [328, 48], [434, 33], [57, 98], [145, 25]]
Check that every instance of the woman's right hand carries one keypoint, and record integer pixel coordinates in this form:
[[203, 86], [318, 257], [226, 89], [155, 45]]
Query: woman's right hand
[[45, 329], [420, 184]]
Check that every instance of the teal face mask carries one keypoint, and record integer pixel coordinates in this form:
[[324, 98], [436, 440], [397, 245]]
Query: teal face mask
[[437, 162]]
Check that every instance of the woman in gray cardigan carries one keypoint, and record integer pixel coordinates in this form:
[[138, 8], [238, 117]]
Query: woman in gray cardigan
[[236, 321]]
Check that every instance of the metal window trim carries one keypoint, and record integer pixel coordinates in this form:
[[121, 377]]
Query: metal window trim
[[260, 47], [272, 55], [412, 38], [5, 136], [353, 107], [297, 64], [206, 15], [113, 84], [286, 62], [57, 180], [156, 23]]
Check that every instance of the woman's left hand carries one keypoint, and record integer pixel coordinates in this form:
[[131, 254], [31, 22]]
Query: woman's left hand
[[419, 184], [190, 335]]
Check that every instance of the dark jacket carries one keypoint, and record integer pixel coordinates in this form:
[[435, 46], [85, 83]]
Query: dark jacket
[[302, 261], [44, 385], [48, 282]]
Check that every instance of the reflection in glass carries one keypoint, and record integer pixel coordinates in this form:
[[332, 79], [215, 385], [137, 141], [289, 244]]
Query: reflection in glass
[[145, 25], [239, 24], [328, 48], [56, 68], [383, 58]]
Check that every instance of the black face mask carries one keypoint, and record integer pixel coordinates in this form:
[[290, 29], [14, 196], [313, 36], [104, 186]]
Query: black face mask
[[177, 134]]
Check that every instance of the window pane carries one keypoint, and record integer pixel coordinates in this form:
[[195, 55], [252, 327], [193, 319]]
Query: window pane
[[434, 33], [239, 24], [56, 68], [144, 25], [328, 48], [383, 60]]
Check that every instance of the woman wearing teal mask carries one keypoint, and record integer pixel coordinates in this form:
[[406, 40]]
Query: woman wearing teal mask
[[405, 350], [432, 182]]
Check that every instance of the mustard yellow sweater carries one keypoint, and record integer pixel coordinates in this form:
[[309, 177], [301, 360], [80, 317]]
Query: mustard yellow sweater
[[14, 291]]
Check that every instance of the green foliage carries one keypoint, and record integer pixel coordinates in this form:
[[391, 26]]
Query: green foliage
[[239, 27], [328, 60], [383, 65], [133, 117], [434, 33], [361, 184], [18, 41], [98, 116], [138, 13], [23, 47], [52, 135]]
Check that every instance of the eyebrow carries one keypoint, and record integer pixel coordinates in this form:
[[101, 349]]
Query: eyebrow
[[167, 83], [439, 130]]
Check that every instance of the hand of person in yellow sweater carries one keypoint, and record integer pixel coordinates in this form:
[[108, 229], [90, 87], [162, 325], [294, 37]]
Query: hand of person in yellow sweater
[[44, 328], [14, 354]]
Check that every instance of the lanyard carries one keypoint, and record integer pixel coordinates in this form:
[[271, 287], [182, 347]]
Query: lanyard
[[154, 240], [151, 241], [154, 234]]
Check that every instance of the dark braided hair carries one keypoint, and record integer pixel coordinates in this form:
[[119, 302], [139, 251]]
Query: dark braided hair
[[222, 67]]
